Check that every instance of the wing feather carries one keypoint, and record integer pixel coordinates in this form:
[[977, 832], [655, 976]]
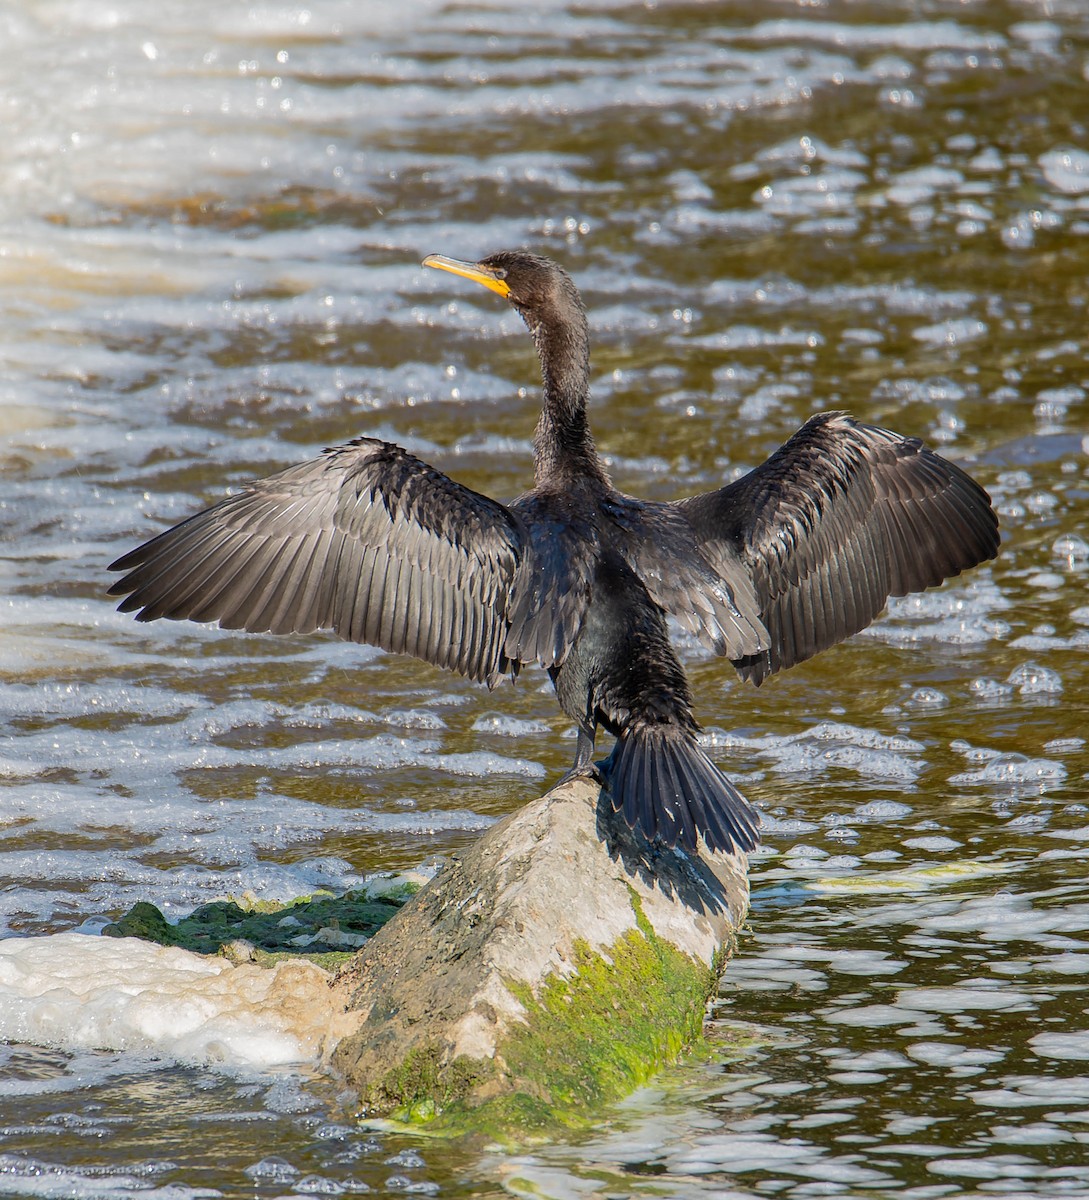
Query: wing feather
[[841, 517], [366, 541]]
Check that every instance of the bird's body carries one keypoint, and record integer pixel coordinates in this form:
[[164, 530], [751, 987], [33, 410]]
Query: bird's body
[[374, 544]]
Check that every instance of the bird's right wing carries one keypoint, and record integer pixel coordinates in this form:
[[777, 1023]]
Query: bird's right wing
[[366, 541]]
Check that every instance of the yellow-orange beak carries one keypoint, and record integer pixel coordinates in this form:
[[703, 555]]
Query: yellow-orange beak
[[473, 271]]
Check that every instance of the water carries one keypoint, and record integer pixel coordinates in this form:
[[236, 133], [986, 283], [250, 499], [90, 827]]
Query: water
[[212, 217]]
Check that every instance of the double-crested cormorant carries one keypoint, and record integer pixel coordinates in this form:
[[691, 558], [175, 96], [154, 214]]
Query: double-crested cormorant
[[375, 545]]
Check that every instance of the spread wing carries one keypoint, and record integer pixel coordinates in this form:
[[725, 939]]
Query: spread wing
[[366, 541], [841, 517]]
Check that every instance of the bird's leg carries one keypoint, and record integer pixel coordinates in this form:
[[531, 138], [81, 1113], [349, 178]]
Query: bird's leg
[[583, 766]]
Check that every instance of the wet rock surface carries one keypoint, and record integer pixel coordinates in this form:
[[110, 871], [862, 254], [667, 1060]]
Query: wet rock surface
[[556, 912]]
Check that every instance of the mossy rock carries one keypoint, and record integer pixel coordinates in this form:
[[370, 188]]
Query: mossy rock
[[324, 928], [545, 973], [590, 1038]]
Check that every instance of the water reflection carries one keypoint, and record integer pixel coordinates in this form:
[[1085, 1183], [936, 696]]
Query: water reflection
[[212, 217]]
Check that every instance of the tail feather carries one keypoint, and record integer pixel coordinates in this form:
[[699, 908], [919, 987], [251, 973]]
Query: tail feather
[[667, 788]]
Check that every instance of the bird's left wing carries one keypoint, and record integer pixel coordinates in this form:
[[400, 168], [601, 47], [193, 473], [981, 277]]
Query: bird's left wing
[[841, 517], [366, 541]]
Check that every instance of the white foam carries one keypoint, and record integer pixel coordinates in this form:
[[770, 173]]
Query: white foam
[[27, 1176], [507, 726], [950, 1054], [1067, 170], [75, 992], [937, 844], [908, 35], [830, 191], [922, 183], [951, 333], [1069, 1045]]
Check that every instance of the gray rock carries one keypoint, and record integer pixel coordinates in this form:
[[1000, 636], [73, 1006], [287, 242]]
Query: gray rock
[[552, 967]]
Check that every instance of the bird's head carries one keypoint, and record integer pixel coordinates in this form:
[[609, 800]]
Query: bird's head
[[536, 286]]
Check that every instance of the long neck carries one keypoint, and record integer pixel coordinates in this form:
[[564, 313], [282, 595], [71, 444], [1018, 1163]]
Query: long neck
[[562, 441]]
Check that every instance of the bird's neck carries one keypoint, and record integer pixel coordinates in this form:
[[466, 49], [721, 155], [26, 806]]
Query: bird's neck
[[562, 443]]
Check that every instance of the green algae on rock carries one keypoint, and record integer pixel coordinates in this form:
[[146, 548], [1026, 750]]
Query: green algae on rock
[[589, 1038], [324, 928]]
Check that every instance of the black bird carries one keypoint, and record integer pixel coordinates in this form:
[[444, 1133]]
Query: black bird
[[375, 545]]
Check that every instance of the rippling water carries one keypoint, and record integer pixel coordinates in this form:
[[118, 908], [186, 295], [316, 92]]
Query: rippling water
[[211, 218]]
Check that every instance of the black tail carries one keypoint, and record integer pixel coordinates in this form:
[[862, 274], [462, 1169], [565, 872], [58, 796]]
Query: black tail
[[669, 789]]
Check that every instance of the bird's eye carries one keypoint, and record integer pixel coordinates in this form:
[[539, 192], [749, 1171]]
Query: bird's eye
[[500, 273]]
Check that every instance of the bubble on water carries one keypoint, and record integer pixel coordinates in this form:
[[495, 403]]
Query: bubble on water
[[271, 1170], [928, 698], [687, 185], [759, 404], [807, 148], [1014, 769], [414, 718], [828, 745], [802, 850], [953, 616], [27, 1176], [402, 1183], [318, 1185], [990, 690], [881, 810], [1019, 233], [1039, 642], [1039, 503], [1031, 1091], [1031, 679], [773, 826], [1073, 549], [869, 739], [410, 1160], [1064, 745]]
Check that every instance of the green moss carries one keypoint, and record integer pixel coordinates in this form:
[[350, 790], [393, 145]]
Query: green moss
[[324, 928], [421, 1087], [590, 1038]]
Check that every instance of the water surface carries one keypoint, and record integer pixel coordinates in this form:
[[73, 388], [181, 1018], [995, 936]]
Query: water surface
[[211, 219]]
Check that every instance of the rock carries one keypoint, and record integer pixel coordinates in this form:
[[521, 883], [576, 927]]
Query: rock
[[554, 966]]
